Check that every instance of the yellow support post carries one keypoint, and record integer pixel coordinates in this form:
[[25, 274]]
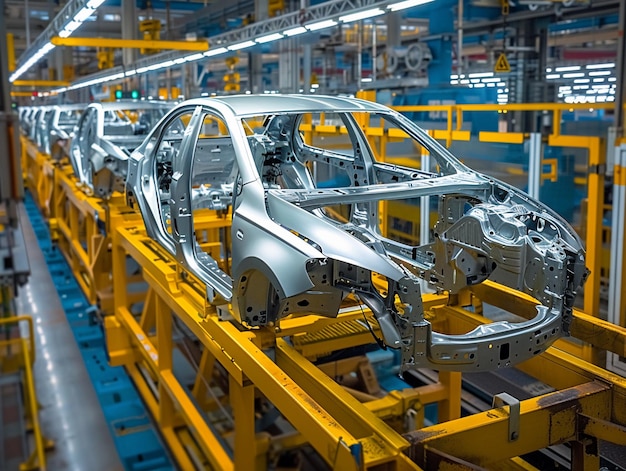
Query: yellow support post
[[10, 52], [595, 197]]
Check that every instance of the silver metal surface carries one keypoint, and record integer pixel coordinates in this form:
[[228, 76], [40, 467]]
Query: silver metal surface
[[70, 413], [294, 252], [59, 130], [104, 138]]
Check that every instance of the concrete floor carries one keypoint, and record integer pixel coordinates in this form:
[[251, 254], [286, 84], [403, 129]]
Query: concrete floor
[[70, 413]]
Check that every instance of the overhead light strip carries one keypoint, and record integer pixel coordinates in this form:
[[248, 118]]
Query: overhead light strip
[[65, 31], [92, 5]]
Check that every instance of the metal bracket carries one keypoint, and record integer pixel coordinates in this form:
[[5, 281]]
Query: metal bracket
[[503, 399]]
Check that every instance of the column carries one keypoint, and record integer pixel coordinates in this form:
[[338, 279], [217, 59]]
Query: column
[[130, 30]]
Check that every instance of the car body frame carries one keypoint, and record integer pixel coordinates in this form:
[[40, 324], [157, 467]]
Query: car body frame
[[103, 139], [306, 232]]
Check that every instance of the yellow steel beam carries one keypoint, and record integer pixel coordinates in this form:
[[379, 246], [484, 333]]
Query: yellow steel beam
[[131, 43], [482, 439], [595, 196], [380, 441], [597, 332], [40, 83]]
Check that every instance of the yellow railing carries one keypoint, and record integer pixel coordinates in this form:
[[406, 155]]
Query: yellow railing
[[25, 361]]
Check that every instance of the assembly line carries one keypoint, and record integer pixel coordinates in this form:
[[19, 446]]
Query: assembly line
[[340, 276]]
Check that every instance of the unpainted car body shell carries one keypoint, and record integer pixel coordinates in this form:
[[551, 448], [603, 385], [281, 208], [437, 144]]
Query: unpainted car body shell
[[286, 258]]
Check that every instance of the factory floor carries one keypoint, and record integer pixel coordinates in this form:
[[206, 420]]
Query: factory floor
[[70, 413]]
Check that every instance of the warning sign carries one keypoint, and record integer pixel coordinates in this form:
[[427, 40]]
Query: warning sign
[[502, 64]]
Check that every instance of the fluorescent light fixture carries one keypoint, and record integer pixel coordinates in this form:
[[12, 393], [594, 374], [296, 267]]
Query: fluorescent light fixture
[[180, 60], [577, 75], [94, 3], [363, 80], [317, 85], [407, 4], [269, 38], [581, 81], [65, 33], [215, 52], [83, 14], [194, 57], [491, 80], [295, 31], [242, 45], [481, 75], [569, 68], [611, 79], [454, 82], [606, 65], [553, 76], [361, 15], [141, 70], [320, 25], [129, 73], [598, 73]]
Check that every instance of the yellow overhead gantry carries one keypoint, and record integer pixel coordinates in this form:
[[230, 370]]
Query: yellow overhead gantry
[[131, 43]]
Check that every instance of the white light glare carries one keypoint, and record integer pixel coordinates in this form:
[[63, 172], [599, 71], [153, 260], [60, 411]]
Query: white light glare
[[361, 15], [407, 4], [599, 73], [552, 76], [320, 25], [569, 68], [242, 45], [481, 75], [295, 31], [363, 80], [215, 52], [32, 61], [94, 3], [83, 14], [607, 65], [577, 75], [268, 38], [194, 57]]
